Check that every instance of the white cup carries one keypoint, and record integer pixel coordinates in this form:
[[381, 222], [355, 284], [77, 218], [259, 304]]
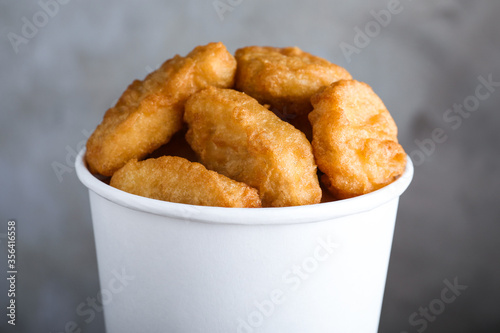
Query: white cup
[[168, 267]]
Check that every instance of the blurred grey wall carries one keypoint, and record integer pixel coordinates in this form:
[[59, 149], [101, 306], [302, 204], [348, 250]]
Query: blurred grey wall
[[436, 65]]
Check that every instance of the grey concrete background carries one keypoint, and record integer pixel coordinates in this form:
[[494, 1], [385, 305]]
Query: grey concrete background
[[430, 56]]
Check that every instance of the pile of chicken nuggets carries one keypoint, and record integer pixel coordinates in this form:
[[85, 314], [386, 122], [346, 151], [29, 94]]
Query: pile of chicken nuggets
[[267, 127]]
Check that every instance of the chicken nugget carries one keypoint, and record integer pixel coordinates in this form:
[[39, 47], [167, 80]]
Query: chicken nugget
[[354, 139], [285, 78], [234, 135], [150, 111], [175, 179]]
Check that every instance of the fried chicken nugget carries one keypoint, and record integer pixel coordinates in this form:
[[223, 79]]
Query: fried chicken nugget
[[354, 139], [234, 135], [175, 179], [285, 78], [150, 111]]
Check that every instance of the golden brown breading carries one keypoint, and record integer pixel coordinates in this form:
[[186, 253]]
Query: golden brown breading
[[150, 111], [175, 179], [354, 139], [285, 78], [236, 136]]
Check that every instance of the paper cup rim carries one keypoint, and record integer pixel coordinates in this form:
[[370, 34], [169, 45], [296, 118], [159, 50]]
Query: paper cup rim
[[243, 216]]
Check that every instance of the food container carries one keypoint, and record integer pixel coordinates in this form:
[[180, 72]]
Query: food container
[[168, 267]]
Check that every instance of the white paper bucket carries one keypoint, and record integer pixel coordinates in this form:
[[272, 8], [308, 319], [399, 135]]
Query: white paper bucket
[[168, 267]]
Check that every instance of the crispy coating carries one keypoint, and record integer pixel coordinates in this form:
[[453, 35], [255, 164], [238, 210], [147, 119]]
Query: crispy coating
[[150, 111], [175, 179], [234, 135], [285, 78], [354, 139]]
